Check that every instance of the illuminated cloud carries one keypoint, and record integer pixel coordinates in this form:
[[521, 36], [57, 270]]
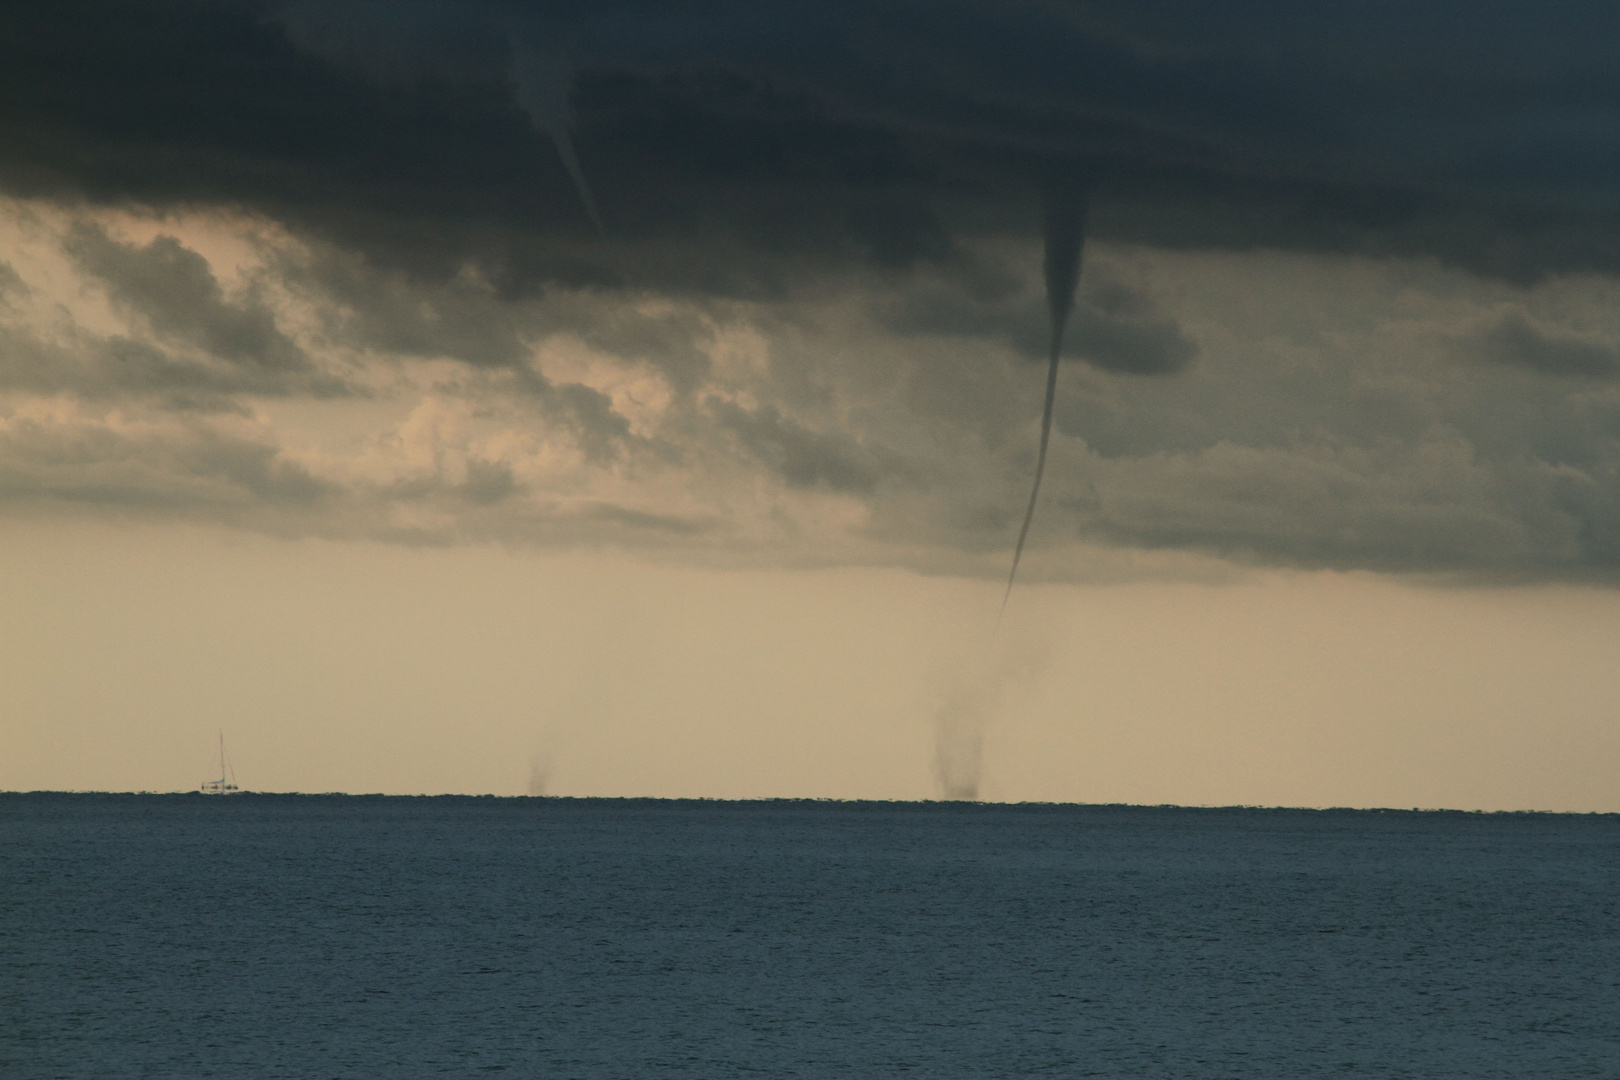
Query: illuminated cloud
[[745, 283]]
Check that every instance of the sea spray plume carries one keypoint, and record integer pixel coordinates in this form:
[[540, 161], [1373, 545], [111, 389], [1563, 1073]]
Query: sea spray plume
[[959, 742], [1063, 234], [978, 686], [539, 774]]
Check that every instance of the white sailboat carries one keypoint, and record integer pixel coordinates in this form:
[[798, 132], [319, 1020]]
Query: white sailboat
[[227, 775]]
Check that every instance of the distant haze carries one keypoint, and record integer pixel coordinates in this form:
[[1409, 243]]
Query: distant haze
[[356, 667]]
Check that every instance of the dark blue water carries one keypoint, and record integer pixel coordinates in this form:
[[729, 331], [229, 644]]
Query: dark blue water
[[302, 936]]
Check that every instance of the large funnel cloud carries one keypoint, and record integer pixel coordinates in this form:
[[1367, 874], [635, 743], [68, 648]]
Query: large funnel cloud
[[1063, 236]]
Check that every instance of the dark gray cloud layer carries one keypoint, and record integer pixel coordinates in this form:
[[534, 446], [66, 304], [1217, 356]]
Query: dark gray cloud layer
[[1516, 341], [734, 148], [173, 288], [470, 184]]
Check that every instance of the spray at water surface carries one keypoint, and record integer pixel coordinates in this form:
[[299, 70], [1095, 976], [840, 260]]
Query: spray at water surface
[[980, 687]]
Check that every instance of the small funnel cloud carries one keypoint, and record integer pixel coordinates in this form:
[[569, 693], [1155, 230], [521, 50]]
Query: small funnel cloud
[[1063, 235], [541, 81]]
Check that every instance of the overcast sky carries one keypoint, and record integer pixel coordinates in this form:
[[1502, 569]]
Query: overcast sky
[[716, 332]]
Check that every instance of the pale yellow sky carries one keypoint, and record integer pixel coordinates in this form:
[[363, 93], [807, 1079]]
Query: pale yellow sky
[[360, 667]]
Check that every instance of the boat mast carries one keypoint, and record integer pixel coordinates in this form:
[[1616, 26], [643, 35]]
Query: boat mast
[[227, 775]]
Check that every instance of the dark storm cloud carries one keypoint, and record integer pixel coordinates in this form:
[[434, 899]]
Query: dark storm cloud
[[1516, 341], [201, 470], [803, 458], [390, 313], [10, 281], [670, 342], [1118, 329], [192, 347], [488, 481], [1114, 326], [106, 368], [600, 430], [616, 186], [173, 288], [362, 308], [735, 148]]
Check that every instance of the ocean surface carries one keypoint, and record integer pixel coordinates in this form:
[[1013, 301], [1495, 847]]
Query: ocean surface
[[337, 936]]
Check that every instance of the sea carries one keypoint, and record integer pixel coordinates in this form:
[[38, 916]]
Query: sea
[[318, 936]]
